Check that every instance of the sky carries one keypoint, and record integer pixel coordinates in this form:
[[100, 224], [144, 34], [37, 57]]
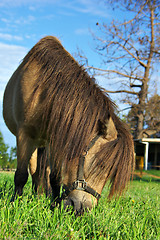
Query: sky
[[23, 23]]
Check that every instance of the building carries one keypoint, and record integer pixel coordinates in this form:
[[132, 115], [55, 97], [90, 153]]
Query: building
[[149, 149]]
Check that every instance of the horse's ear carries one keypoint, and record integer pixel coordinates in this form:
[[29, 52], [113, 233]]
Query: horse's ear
[[108, 129]]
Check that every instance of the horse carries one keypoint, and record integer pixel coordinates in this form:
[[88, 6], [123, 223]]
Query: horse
[[51, 102]]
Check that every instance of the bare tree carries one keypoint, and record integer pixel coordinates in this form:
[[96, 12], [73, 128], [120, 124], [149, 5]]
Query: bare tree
[[151, 116], [129, 50]]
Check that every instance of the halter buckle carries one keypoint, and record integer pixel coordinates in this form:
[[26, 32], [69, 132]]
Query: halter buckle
[[80, 185]]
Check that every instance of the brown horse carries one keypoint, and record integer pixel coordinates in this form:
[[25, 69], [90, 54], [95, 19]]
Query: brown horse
[[51, 102]]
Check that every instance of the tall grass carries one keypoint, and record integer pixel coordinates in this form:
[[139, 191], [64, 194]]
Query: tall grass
[[135, 216]]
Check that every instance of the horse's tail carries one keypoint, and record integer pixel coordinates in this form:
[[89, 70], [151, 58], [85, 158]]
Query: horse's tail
[[119, 162]]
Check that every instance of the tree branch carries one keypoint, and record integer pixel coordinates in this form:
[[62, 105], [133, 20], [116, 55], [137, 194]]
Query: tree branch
[[131, 54], [125, 23], [120, 91], [115, 71], [135, 85], [125, 109]]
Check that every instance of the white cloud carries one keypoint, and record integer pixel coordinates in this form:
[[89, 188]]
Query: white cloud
[[18, 20], [5, 20], [82, 31], [10, 37], [17, 3], [93, 7], [25, 20]]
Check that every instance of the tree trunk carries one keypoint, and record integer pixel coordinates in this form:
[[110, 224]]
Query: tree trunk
[[141, 110], [144, 89]]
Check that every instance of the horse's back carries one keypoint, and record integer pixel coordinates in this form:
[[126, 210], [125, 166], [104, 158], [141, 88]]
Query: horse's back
[[16, 95]]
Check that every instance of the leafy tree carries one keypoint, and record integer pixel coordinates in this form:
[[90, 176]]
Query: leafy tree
[[130, 50], [152, 114], [12, 163], [3, 152]]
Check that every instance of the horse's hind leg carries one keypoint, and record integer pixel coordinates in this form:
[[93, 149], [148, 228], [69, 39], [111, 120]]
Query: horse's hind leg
[[33, 171], [40, 171], [25, 148], [37, 168]]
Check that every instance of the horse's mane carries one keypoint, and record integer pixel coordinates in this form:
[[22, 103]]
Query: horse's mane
[[72, 102]]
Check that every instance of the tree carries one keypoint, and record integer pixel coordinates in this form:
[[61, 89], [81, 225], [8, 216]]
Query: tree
[[8, 159], [12, 162], [3, 152], [130, 50], [151, 116]]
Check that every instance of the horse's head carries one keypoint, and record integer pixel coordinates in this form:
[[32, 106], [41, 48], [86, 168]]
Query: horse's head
[[82, 183]]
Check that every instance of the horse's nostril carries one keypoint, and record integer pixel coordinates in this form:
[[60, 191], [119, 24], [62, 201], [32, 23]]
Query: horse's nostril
[[81, 210], [74, 204], [68, 203]]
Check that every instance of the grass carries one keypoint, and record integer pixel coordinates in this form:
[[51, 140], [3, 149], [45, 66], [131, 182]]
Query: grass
[[154, 172], [135, 216]]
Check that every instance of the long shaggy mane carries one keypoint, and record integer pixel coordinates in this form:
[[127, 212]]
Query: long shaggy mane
[[72, 104]]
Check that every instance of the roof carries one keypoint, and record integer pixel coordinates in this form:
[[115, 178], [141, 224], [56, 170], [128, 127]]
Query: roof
[[150, 140]]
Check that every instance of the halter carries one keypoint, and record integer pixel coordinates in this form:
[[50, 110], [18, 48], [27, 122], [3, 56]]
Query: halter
[[80, 183]]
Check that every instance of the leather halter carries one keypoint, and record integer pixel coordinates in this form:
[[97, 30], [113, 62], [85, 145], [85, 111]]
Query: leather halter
[[80, 183]]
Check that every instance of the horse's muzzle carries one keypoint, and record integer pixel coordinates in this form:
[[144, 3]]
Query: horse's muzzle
[[77, 201]]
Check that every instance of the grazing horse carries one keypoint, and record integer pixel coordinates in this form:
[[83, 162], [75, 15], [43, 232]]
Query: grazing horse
[[51, 102]]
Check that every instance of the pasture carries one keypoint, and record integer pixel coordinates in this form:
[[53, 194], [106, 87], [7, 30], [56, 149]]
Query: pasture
[[135, 216]]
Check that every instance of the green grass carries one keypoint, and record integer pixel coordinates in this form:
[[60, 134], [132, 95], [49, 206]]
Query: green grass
[[154, 172], [134, 216]]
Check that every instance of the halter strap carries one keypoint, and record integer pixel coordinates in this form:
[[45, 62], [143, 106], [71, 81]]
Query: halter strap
[[80, 173], [80, 183]]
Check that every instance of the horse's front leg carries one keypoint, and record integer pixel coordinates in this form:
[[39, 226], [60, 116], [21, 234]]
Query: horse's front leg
[[25, 148], [55, 185]]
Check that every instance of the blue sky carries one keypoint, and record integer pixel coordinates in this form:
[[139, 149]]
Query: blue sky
[[23, 23]]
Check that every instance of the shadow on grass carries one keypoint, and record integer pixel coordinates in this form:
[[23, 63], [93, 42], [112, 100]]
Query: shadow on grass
[[146, 178]]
